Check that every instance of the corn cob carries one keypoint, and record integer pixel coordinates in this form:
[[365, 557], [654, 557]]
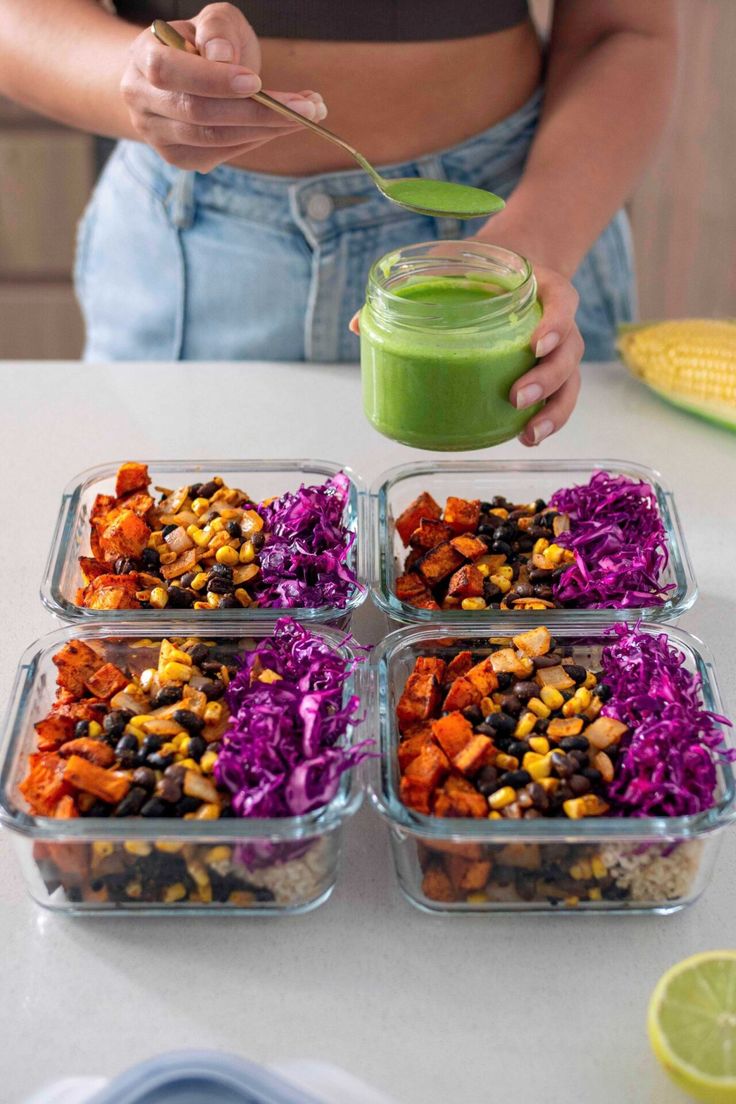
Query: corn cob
[[688, 362]]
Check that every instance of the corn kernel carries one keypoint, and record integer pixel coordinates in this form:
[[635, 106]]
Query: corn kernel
[[503, 584], [598, 867], [207, 762], [138, 847], [101, 849], [134, 889], [595, 894], [538, 707], [199, 536], [501, 798], [169, 652], [571, 902], [226, 555], [147, 678], [587, 805], [170, 847], [487, 705], [229, 515], [212, 712], [499, 511], [554, 553], [477, 898], [473, 604], [217, 854], [199, 582], [484, 569], [200, 505], [506, 762], [190, 764], [175, 892], [159, 598], [540, 546], [549, 785], [95, 729], [247, 552], [540, 744], [243, 596], [216, 525], [207, 812], [176, 672], [590, 681], [218, 540], [213, 600], [167, 557], [269, 676], [495, 816], [505, 571], [134, 730], [156, 540], [241, 898], [541, 769], [251, 522], [581, 871], [578, 703], [201, 605], [525, 725], [551, 697], [244, 573], [532, 757]]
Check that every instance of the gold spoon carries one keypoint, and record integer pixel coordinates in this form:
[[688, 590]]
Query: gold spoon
[[437, 198]]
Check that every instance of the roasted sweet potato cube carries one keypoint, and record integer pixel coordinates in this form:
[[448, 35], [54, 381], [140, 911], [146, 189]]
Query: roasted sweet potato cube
[[467, 582], [95, 751], [461, 695], [419, 700], [106, 681], [430, 665], [131, 477], [91, 568], [76, 662], [44, 786], [423, 507], [483, 677], [436, 885], [554, 676], [53, 731], [413, 590], [429, 534], [524, 856], [452, 733], [477, 753], [422, 776], [465, 801], [458, 665], [605, 731], [559, 727], [127, 535], [469, 547], [470, 851], [112, 592], [467, 876], [462, 514], [535, 642], [413, 744], [438, 563], [107, 785], [139, 503]]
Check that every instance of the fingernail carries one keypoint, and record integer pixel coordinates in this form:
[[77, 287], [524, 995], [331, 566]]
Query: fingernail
[[321, 112], [547, 343], [528, 395], [542, 429], [218, 49], [306, 108], [247, 83]]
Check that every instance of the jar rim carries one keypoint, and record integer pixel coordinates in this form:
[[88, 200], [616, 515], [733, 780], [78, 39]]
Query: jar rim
[[477, 259]]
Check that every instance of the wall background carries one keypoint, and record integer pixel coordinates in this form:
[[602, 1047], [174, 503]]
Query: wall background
[[683, 213]]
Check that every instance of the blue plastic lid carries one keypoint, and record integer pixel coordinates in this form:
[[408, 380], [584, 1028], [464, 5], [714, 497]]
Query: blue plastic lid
[[199, 1077]]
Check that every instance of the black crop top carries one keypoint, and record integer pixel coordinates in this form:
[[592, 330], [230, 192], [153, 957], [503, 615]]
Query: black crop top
[[351, 20]]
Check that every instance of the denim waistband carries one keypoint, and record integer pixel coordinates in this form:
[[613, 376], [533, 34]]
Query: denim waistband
[[333, 202]]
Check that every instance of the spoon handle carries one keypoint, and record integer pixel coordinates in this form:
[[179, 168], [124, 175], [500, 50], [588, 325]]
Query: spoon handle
[[167, 35]]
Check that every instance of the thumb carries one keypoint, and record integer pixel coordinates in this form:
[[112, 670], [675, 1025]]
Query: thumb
[[222, 33]]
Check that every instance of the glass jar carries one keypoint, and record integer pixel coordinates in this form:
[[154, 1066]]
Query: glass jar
[[444, 334]]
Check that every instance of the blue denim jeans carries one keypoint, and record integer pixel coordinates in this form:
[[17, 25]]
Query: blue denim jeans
[[235, 265]]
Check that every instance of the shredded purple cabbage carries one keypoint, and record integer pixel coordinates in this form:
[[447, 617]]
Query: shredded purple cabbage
[[667, 760], [619, 542], [304, 561], [281, 755]]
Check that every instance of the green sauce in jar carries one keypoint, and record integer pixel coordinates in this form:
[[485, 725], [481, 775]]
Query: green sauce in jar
[[444, 334]]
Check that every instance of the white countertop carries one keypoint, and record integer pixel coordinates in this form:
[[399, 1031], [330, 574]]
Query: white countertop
[[435, 1011]]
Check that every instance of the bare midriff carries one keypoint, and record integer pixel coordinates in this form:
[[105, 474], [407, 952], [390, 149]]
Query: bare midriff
[[396, 101]]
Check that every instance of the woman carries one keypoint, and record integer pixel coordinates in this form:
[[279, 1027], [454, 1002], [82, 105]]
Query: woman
[[217, 232]]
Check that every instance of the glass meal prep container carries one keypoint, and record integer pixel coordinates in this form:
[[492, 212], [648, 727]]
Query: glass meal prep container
[[260, 478], [86, 864], [591, 865], [519, 481]]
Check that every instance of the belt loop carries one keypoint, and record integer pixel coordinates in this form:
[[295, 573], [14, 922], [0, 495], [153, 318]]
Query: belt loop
[[180, 200], [432, 168]]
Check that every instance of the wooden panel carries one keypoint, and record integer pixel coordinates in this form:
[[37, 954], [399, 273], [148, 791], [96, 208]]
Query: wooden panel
[[47, 176], [39, 322]]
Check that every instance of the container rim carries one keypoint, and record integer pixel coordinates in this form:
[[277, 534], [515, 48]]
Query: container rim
[[383, 595], [385, 798], [16, 723], [63, 544]]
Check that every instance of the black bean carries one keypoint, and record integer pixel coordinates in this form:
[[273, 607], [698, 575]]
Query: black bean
[[258, 540], [603, 691], [127, 742], [229, 601], [233, 528], [502, 548], [150, 559], [167, 529], [132, 803], [188, 578], [485, 507], [579, 784], [221, 569], [167, 695], [505, 680], [516, 778], [511, 704], [160, 762], [489, 525], [99, 809], [594, 776], [543, 591], [540, 662], [199, 653], [218, 584], [522, 590], [525, 689], [491, 592], [518, 748], [194, 490], [188, 720], [210, 666], [155, 807], [187, 805], [488, 788], [196, 748], [525, 543], [263, 894], [538, 795], [145, 778], [574, 743], [561, 765], [485, 730], [208, 489], [81, 729], [541, 726], [525, 886], [214, 690], [577, 674], [505, 532], [169, 789], [151, 744], [549, 519], [124, 565], [498, 502], [473, 714], [182, 597]]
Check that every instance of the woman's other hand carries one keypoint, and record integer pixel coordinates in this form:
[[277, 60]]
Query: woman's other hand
[[559, 347], [195, 111]]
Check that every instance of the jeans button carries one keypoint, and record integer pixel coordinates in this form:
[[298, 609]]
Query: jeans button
[[319, 206]]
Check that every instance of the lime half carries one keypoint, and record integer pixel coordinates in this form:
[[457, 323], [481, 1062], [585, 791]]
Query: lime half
[[692, 1025]]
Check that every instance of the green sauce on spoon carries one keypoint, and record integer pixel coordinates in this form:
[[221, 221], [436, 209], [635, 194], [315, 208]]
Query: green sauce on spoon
[[439, 197]]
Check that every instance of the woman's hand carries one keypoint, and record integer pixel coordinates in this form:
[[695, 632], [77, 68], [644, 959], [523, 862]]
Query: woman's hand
[[558, 345], [195, 111]]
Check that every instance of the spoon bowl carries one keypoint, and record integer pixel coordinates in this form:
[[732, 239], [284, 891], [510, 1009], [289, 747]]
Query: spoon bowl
[[423, 196]]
